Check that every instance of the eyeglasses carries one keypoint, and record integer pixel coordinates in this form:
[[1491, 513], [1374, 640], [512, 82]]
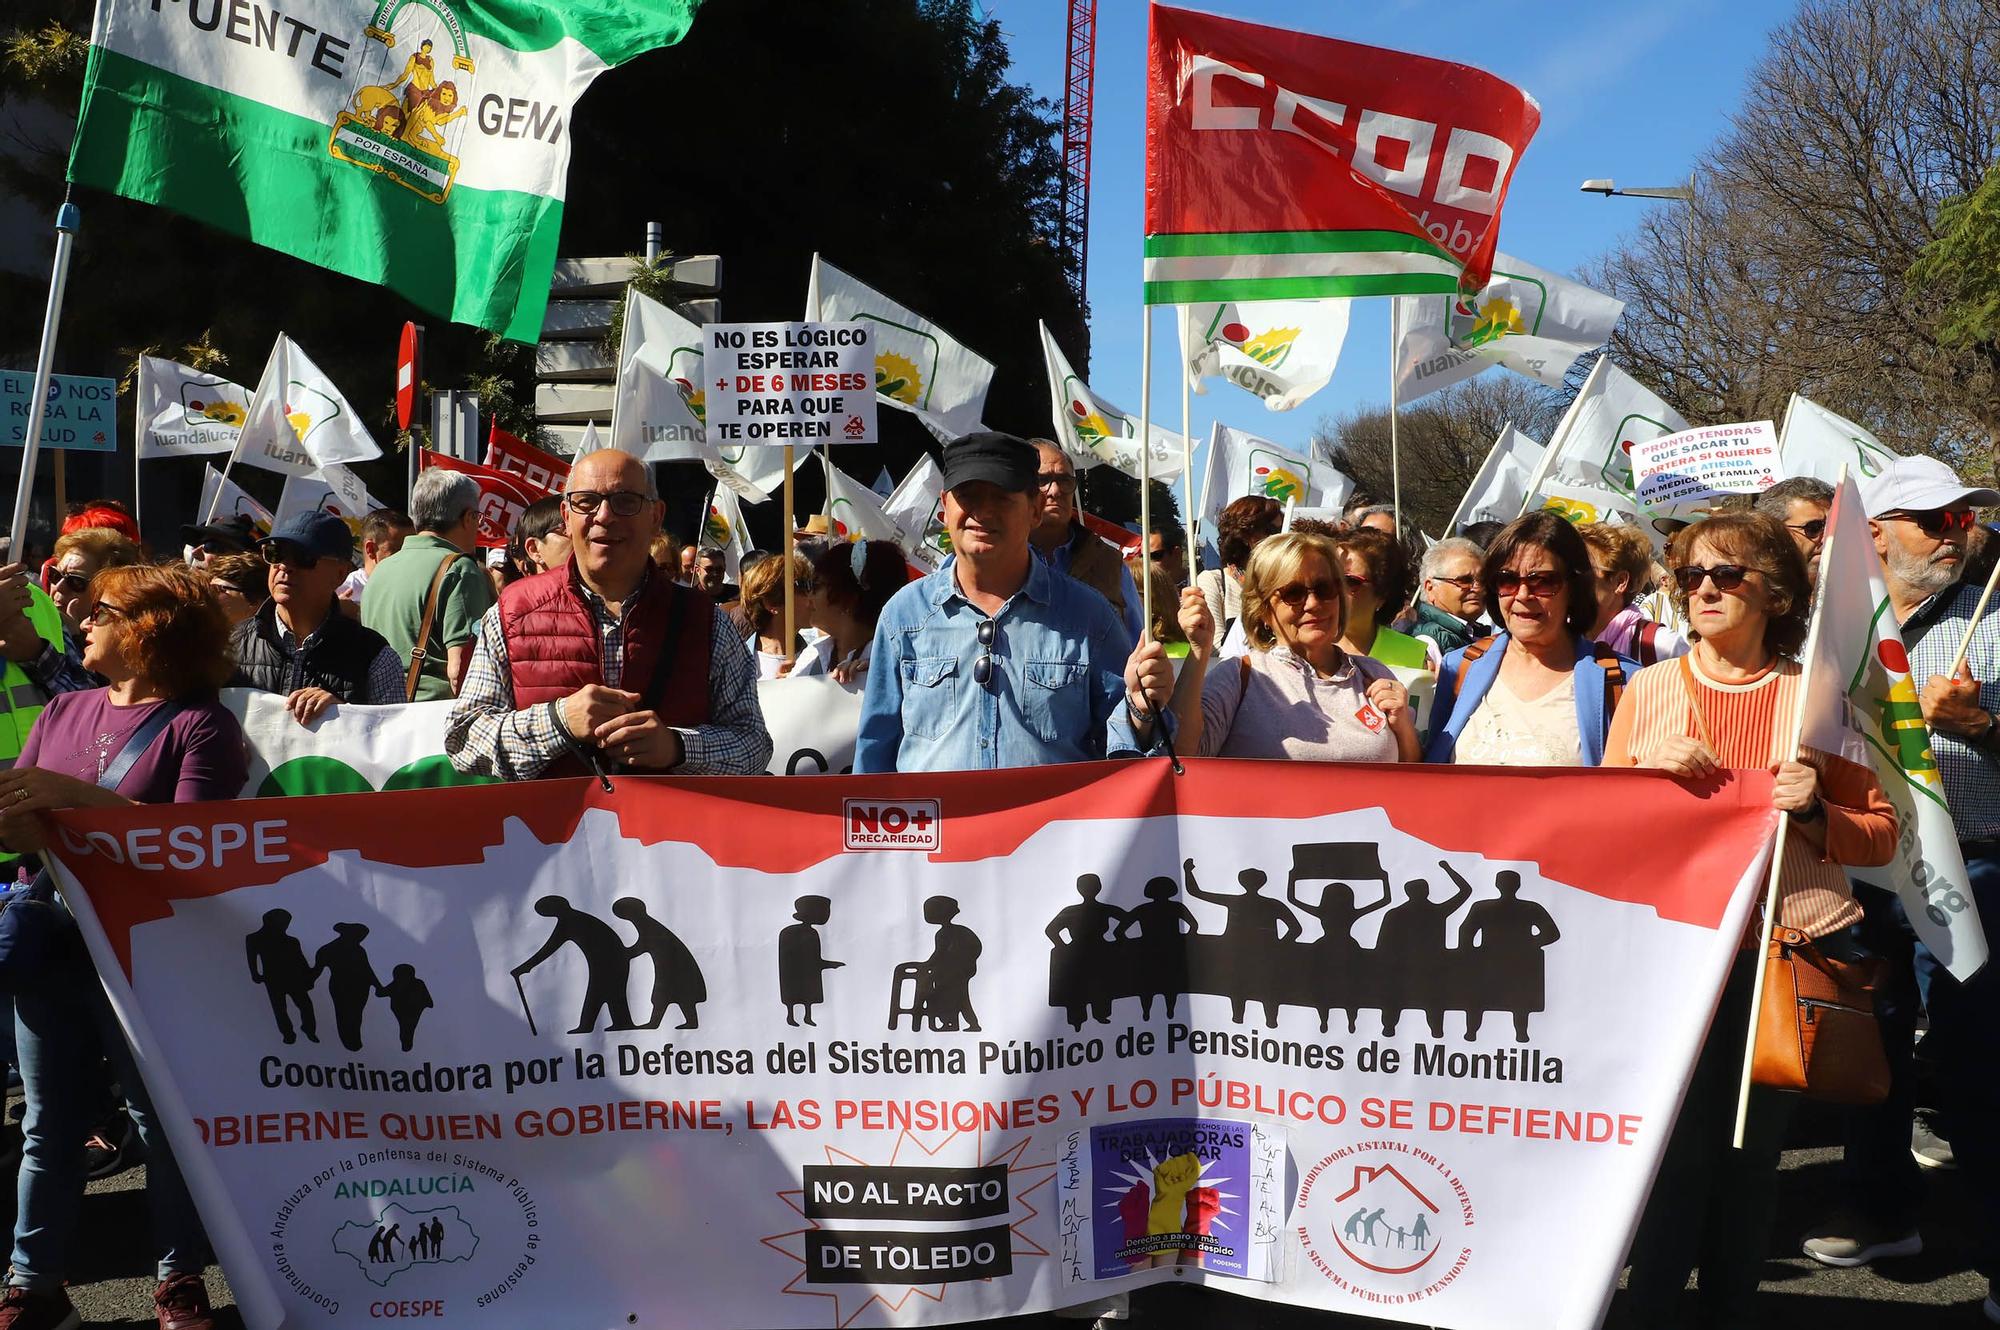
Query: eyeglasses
[[219, 587], [104, 612], [623, 503], [982, 669], [74, 583], [1324, 590], [1815, 529], [1464, 583], [1059, 481], [1538, 584], [283, 552], [1726, 576], [1936, 521]]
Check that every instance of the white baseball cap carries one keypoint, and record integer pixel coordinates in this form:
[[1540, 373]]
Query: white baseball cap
[[1920, 485]]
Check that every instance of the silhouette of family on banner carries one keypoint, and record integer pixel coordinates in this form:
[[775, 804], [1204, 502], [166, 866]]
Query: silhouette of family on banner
[[1101, 952], [426, 1244], [278, 963]]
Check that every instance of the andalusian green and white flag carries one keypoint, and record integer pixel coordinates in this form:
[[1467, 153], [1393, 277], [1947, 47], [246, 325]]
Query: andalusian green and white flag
[[419, 144]]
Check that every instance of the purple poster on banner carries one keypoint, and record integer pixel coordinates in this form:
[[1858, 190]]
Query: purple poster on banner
[[1173, 1191]]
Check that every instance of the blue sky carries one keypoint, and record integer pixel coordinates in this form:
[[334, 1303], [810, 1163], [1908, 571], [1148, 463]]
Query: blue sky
[[1632, 91]]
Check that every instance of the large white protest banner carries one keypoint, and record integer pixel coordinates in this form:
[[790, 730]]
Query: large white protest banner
[[920, 1050], [1241, 464], [1676, 472], [1501, 487], [813, 723], [1818, 442], [1532, 321], [1281, 351], [183, 412], [919, 367], [1095, 433], [1862, 686], [773, 384]]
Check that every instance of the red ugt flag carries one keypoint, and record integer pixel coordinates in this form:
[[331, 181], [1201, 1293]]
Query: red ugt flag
[[1284, 166]]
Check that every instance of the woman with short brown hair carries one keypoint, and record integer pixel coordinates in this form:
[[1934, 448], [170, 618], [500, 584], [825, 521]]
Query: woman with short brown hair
[[1238, 528], [764, 610]]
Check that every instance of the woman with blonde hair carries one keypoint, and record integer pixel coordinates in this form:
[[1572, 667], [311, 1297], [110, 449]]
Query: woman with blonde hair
[[1731, 702], [764, 610], [1295, 693]]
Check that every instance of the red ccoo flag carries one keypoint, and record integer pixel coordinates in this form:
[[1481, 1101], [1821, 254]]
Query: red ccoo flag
[[1284, 166]]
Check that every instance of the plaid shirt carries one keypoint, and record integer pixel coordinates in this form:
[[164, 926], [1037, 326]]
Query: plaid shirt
[[60, 669], [488, 736], [386, 684], [1971, 770]]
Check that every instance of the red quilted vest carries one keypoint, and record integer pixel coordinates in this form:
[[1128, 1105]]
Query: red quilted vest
[[552, 644]]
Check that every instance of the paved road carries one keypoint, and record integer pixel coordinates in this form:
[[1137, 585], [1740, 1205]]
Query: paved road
[[1935, 1291]]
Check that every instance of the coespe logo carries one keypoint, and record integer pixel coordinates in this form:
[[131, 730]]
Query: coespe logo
[[873, 824]]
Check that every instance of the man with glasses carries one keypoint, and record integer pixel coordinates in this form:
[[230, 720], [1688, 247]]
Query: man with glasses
[[995, 659], [1448, 612], [1801, 503], [1061, 538], [1922, 515], [432, 579], [604, 662], [299, 644]]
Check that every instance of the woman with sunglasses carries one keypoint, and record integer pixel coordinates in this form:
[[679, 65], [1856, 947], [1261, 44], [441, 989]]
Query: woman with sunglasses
[[240, 584], [1730, 702], [1296, 693], [80, 556], [854, 580], [764, 609], [1539, 693], [157, 637]]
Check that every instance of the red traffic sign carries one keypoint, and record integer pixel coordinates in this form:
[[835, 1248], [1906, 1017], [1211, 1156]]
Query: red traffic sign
[[408, 373]]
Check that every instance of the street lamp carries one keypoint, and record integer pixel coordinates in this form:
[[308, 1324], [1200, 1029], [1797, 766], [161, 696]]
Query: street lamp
[[1685, 193]]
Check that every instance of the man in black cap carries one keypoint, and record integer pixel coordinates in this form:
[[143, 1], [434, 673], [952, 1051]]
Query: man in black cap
[[994, 660], [299, 643], [234, 534]]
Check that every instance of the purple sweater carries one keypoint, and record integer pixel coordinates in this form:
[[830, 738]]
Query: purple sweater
[[199, 756]]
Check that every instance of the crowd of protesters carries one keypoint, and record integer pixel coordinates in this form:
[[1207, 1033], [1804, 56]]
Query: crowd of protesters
[[596, 644]]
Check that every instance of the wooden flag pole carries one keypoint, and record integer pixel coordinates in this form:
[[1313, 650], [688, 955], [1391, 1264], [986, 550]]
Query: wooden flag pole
[[1978, 613], [68, 218], [791, 542]]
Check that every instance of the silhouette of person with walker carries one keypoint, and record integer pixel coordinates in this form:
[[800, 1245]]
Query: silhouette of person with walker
[[350, 981], [1159, 958], [278, 962], [677, 979], [1414, 958], [802, 965], [946, 993], [1339, 962], [607, 964], [1502, 942], [1255, 926], [1079, 965]]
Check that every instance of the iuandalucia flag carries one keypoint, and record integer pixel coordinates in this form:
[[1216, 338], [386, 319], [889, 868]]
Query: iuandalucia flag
[[420, 144]]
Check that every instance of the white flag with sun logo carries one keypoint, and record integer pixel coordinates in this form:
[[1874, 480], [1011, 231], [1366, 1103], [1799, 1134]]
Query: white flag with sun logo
[[1532, 321], [919, 367], [1282, 351], [298, 421], [1095, 433]]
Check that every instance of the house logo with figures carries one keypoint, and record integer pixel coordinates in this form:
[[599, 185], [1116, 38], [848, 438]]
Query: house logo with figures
[[1386, 1220], [407, 117]]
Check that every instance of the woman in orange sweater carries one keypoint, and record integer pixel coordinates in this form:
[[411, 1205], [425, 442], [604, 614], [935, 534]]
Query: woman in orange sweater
[[1730, 702]]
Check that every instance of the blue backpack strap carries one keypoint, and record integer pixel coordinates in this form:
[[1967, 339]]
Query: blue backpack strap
[[139, 744]]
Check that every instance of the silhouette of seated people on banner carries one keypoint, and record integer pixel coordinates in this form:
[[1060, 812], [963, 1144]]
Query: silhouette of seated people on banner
[[1079, 965]]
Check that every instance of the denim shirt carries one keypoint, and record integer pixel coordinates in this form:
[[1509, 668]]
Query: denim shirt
[[1055, 693]]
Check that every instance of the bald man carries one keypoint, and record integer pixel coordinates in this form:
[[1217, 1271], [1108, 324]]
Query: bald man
[[605, 663]]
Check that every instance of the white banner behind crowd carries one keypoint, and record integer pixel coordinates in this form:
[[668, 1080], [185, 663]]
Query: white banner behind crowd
[[919, 1050]]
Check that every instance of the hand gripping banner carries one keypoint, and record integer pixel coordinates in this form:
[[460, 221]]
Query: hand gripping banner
[[911, 1050]]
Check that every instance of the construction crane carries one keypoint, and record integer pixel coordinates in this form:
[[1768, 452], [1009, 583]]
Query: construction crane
[[1080, 78]]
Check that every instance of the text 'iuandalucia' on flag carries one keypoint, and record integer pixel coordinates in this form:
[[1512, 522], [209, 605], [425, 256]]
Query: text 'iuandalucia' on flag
[[1285, 166], [424, 147], [1861, 702], [1527, 319]]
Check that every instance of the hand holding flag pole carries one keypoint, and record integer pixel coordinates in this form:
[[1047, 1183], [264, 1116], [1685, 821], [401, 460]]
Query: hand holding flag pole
[[1978, 613]]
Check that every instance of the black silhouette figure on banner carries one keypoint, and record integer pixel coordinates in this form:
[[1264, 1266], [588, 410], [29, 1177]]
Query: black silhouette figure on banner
[[375, 1246], [420, 1244], [1341, 972], [1414, 958], [1250, 950], [278, 962], [607, 963], [409, 998], [1079, 966], [801, 965], [1159, 958], [1501, 942], [350, 981], [942, 985], [677, 980], [389, 1240], [437, 1239]]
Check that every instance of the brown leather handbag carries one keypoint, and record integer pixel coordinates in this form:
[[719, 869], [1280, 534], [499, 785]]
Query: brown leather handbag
[[1816, 1030]]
